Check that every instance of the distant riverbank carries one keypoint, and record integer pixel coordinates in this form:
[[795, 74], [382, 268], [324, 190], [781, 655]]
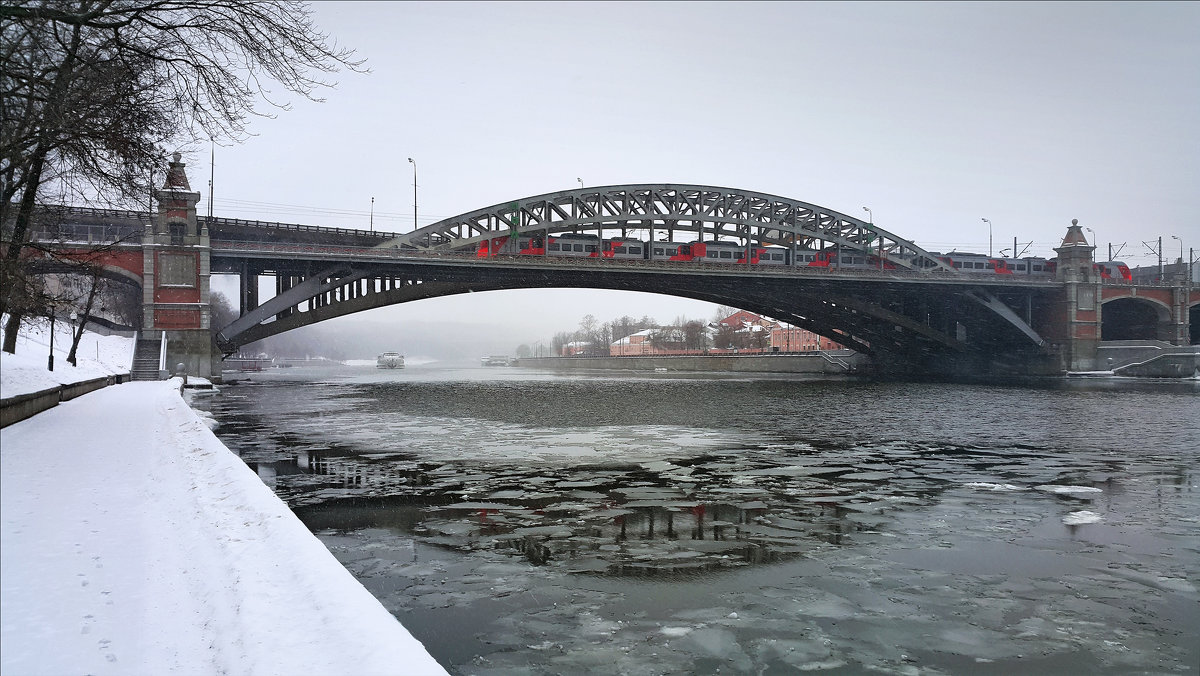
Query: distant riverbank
[[835, 362]]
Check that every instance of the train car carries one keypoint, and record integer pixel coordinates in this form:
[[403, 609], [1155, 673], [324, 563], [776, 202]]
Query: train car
[[775, 255], [574, 244], [491, 247], [724, 252], [814, 258], [1114, 270], [991, 265], [847, 260], [625, 248], [525, 245], [732, 252], [671, 251], [1036, 267]]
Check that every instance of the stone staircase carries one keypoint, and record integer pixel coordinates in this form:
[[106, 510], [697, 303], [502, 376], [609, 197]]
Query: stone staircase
[[145, 358]]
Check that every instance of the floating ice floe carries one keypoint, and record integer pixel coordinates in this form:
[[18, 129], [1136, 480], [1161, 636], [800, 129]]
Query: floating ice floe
[[994, 487], [1081, 517], [1067, 490]]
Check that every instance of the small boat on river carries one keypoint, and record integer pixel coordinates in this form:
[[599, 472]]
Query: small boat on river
[[390, 360]]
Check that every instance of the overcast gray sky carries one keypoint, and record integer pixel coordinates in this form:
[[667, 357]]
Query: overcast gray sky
[[934, 115]]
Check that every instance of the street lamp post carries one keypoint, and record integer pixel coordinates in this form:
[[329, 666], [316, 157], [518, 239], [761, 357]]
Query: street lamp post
[[414, 163], [1180, 248], [870, 215], [50, 361], [1095, 238], [580, 182], [989, 235]]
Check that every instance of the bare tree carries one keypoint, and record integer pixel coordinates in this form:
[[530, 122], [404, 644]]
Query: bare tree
[[94, 90]]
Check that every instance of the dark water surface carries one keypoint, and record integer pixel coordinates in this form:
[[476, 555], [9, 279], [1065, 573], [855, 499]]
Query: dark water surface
[[525, 522]]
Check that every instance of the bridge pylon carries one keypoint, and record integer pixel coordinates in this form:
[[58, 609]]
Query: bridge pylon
[[176, 264]]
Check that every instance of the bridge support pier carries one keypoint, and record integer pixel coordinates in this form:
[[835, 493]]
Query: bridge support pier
[[176, 270]]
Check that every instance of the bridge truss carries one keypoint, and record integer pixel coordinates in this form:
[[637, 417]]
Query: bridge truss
[[659, 211]]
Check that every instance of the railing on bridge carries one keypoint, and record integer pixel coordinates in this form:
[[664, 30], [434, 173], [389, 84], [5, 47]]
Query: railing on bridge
[[130, 231]]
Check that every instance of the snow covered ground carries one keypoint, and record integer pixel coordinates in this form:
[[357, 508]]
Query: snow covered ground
[[26, 371], [134, 542]]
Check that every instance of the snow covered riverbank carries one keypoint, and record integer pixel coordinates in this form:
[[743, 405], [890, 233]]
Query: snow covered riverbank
[[136, 543], [26, 372]]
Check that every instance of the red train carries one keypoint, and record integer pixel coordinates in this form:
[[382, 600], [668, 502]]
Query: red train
[[591, 246]]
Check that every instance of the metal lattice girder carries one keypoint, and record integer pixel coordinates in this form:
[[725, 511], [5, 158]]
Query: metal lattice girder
[[656, 211], [989, 300]]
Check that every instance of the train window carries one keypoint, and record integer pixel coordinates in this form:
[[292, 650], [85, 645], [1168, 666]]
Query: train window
[[1020, 267], [658, 251], [577, 247], [726, 254], [619, 249], [988, 266], [1037, 268], [957, 264], [590, 247], [635, 250], [776, 256], [712, 253], [809, 258]]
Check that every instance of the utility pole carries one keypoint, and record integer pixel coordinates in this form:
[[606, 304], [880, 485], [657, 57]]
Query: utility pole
[[212, 176]]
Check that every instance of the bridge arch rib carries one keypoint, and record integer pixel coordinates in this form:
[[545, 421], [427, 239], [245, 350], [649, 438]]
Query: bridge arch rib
[[658, 211]]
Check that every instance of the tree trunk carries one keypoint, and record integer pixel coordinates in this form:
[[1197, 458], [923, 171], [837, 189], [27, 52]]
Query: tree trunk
[[11, 326], [84, 316]]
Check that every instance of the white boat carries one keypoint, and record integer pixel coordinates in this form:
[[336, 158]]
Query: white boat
[[390, 360], [496, 360]]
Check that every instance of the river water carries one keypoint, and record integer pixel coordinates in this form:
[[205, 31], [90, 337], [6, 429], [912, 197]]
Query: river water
[[519, 521]]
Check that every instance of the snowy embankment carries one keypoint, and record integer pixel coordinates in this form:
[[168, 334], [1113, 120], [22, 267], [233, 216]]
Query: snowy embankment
[[26, 371], [136, 543]]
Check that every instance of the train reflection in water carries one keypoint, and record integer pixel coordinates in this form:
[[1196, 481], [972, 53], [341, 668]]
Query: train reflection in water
[[635, 520]]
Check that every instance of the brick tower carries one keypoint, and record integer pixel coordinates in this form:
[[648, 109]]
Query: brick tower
[[175, 292], [1078, 313]]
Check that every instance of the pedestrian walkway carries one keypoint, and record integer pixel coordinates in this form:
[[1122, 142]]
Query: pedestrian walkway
[[134, 542]]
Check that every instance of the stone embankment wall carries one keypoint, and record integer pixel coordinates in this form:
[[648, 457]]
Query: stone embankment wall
[[842, 362], [1173, 365], [22, 406]]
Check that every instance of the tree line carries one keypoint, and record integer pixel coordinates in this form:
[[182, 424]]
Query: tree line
[[594, 338]]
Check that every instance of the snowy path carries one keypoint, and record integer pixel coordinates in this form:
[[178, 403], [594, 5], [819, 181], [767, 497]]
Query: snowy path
[[134, 542]]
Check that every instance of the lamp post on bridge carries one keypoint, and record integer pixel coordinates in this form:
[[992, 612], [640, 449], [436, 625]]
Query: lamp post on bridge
[[580, 182], [989, 235], [1095, 238], [870, 215], [414, 163]]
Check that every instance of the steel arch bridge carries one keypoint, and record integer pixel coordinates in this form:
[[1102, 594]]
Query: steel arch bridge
[[710, 212], [918, 307]]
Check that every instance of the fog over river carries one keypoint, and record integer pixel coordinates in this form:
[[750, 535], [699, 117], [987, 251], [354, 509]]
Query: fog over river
[[520, 521]]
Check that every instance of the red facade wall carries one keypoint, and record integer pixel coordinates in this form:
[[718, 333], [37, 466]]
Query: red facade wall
[[176, 319]]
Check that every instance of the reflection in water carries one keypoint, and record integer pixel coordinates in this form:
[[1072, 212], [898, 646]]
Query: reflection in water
[[647, 525]]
